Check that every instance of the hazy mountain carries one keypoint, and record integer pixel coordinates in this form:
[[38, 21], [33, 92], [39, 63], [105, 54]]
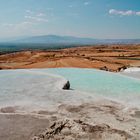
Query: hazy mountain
[[54, 39], [56, 42], [67, 40]]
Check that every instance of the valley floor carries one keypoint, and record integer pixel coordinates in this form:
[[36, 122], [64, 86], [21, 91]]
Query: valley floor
[[105, 57]]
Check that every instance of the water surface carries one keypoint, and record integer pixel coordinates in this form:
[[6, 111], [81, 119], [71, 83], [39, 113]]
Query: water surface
[[43, 87], [107, 84]]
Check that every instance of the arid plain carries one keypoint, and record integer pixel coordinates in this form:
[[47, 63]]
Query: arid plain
[[105, 57]]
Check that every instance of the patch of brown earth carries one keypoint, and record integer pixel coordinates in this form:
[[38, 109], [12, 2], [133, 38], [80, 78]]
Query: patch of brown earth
[[106, 57]]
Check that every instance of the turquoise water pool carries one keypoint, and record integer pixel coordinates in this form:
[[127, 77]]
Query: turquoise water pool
[[43, 87], [100, 82]]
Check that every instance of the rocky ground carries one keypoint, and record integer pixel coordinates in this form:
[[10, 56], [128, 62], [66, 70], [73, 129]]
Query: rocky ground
[[90, 121], [105, 57]]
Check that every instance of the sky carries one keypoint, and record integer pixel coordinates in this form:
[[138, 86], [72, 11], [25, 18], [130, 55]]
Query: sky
[[99, 19]]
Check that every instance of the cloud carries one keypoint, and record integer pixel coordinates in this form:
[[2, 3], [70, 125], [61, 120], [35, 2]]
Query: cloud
[[24, 23], [86, 3], [29, 12], [27, 25], [17, 29], [35, 16], [36, 19], [40, 15], [124, 13], [30, 19], [70, 6], [20, 24], [21, 28]]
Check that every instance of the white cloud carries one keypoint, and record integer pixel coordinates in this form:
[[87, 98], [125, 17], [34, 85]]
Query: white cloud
[[19, 29], [35, 16], [16, 29], [25, 23], [29, 21], [17, 25], [86, 3], [29, 12], [124, 13], [40, 15], [36, 19]]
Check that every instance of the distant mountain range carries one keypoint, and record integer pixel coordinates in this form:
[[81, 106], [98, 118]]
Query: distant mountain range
[[68, 40], [55, 39], [49, 42]]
